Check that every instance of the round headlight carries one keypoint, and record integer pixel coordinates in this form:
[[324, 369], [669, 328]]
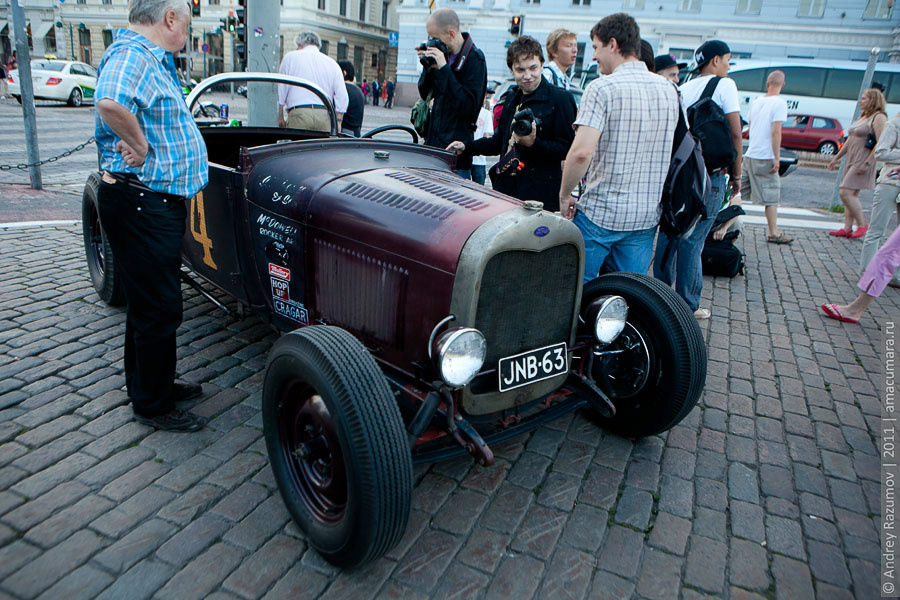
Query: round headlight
[[460, 355], [610, 319]]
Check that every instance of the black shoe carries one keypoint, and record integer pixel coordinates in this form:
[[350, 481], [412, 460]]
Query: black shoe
[[182, 392], [174, 420]]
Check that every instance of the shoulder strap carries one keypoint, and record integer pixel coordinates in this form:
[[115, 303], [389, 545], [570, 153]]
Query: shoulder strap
[[710, 88]]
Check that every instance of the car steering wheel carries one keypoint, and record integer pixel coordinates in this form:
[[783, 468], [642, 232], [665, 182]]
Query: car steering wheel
[[383, 128]]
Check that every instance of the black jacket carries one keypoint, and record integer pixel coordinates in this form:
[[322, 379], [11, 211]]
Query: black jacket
[[541, 176], [458, 91], [353, 118]]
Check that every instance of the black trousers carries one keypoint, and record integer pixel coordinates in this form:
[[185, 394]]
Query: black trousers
[[144, 229]]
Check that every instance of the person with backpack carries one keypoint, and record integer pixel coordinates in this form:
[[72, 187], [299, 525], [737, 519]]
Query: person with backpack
[[618, 212], [713, 111], [562, 50]]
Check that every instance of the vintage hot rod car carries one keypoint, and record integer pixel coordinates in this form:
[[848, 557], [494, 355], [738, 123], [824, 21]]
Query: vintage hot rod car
[[425, 316]]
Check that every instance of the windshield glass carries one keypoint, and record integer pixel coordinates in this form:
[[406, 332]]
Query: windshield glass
[[48, 65]]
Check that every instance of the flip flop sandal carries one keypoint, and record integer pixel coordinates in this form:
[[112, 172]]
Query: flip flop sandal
[[832, 312]]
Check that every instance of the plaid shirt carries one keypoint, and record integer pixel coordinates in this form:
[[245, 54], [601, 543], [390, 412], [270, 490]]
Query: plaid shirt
[[636, 112], [141, 76]]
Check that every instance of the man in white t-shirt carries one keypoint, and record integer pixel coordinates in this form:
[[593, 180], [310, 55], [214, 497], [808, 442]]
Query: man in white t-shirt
[[760, 169], [685, 268], [562, 50], [484, 127]]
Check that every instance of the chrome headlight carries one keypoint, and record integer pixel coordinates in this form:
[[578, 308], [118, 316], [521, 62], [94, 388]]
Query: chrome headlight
[[460, 355], [611, 311]]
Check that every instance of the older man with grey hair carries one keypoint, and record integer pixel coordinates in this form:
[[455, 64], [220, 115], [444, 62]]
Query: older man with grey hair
[[305, 109], [153, 158]]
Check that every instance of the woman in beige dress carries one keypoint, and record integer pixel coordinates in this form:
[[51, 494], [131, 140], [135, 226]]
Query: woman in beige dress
[[859, 170]]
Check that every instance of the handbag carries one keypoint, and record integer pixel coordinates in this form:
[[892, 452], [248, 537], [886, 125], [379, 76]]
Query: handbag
[[871, 138], [419, 114]]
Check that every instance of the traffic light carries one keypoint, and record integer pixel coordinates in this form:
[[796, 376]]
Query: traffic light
[[231, 24], [195, 8], [239, 28], [515, 24]]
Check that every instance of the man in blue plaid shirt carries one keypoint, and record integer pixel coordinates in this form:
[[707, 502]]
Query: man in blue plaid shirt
[[153, 158]]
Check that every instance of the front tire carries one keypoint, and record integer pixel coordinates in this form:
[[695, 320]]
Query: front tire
[[100, 260], [658, 376], [828, 148], [76, 98], [337, 445]]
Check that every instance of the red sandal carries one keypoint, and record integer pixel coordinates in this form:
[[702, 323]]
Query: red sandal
[[840, 233], [832, 312]]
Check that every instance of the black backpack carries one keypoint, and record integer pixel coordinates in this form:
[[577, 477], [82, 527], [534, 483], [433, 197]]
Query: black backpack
[[721, 258], [686, 189], [710, 125]]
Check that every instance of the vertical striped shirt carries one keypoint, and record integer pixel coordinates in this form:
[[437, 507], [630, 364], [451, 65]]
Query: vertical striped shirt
[[141, 76], [636, 112]]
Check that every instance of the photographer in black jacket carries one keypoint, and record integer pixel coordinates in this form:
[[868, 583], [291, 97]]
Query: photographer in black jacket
[[454, 74], [534, 132]]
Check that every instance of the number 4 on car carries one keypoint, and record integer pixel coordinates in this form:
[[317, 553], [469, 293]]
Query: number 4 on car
[[424, 316]]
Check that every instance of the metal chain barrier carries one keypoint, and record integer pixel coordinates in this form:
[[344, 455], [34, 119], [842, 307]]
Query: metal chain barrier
[[24, 167]]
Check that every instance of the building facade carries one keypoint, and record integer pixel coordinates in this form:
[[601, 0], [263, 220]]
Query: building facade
[[833, 29], [356, 30]]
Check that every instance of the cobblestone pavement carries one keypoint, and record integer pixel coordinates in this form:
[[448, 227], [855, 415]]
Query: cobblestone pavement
[[769, 488]]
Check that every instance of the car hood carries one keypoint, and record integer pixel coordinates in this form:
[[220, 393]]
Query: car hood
[[424, 213]]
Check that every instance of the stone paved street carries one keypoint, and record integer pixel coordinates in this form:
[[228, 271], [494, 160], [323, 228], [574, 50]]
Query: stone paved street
[[769, 488]]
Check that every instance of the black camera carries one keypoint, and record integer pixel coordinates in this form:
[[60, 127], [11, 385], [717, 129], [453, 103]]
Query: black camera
[[432, 42], [522, 120]]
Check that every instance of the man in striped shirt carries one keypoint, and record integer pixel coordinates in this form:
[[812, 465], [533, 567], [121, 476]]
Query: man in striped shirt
[[153, 158], [626, 124]]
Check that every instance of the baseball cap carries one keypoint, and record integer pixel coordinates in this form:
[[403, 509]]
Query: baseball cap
[[708, 50], [664, 61]]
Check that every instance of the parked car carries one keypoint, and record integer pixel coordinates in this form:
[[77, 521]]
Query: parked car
[[810, 132], [424, 316], [62, 80]]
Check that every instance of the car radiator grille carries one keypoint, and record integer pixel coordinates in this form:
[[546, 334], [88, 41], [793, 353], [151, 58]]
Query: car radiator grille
[[525, 302]]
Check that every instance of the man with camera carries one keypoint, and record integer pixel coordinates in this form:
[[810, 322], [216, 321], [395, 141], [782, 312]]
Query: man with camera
[[454, 75], [534, 133]]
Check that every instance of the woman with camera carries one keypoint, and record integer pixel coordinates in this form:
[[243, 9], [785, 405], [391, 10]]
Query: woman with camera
[[534, 132], [859, 170]]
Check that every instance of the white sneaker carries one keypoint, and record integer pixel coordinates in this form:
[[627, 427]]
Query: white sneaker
[[701, 314]]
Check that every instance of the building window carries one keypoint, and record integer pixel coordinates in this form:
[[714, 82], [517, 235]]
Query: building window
[[878, 9], [581, 2], [214, 2], [84, 40], [342, 51], [362, 10], [811, 8], [633, 4], [748, 7], [107, 37], [106, 2], [358, 62], [384, 13], [532, 1], [321, 5], [324, 47], [343, 8], [689, 5], [374, 62]]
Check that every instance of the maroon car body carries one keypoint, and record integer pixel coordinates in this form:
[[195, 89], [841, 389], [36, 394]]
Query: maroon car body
[[425, 316]]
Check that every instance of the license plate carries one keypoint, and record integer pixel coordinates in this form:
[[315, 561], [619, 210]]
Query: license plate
[[534, 365]]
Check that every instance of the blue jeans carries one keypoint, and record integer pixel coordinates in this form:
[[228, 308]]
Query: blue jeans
[[464, 173], [684, 266], [621, 250], [478, 173]]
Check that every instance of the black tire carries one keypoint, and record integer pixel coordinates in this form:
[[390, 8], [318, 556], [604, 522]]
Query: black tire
[[207, 110], [360, 432], [673, 347], [76, 98], [828, 148], [100, 260]]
